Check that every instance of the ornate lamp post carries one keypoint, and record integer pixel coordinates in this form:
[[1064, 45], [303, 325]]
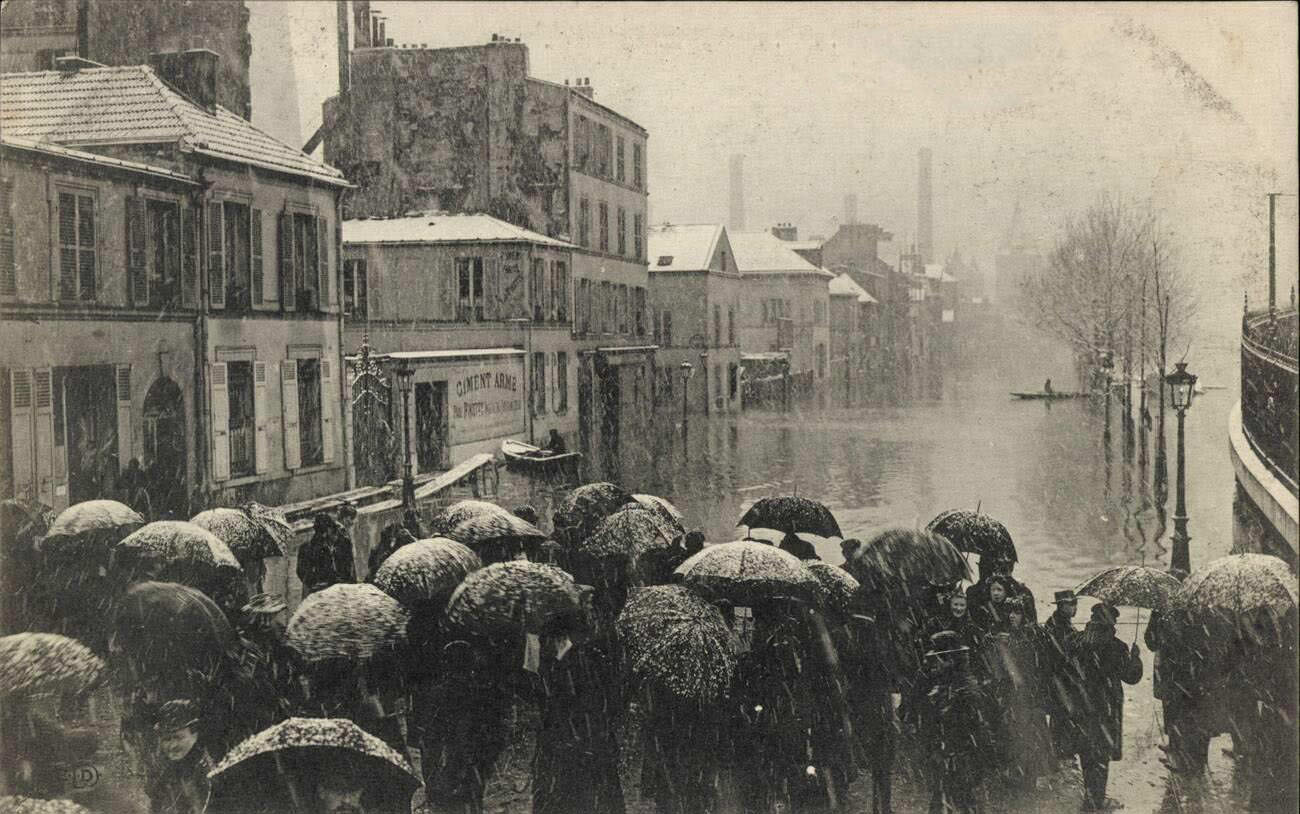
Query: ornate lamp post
[[1181, 389], [687, 369], [405, 376]]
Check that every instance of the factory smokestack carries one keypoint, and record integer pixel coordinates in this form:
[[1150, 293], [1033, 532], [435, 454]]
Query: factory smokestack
[[851, 208], [924, 207], [737, 222]]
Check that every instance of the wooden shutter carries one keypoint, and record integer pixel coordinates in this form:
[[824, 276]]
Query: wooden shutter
[[288, 279], [122, 383], [329, 399], [261, 415], [43, 432], [66, 286], [20, 415], [289, 407], [189, 256], [217, 263], [323, 264], [220, 412], [137, 255], [255, 242], [8, 270]]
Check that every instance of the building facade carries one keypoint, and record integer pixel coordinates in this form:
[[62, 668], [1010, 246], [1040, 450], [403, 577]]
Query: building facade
[[854, 342], [695, 291], [248, 263]]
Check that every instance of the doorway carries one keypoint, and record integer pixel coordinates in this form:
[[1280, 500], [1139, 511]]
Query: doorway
[[164, 449], [431, 447], [89, 402], [611, 403]]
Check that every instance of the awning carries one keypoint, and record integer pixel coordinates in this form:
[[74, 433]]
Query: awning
[[447, 355], [628, 349]]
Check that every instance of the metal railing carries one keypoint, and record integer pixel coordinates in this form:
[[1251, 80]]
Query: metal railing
[[1269, 418]]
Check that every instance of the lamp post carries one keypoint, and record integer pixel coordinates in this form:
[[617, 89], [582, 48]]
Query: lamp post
[[1181, 389], [405, 376], [687, 369]]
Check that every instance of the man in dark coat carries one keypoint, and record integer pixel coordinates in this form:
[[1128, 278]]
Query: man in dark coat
[[799, 547], [953, 725], [183, 786], [391, 538], [1057, 630], [978, 594], [326, 559], [1099, 662]]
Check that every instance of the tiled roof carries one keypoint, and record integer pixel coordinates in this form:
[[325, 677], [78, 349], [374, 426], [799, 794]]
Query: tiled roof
[[682, 247], [764, 252], [846, 286], [131, 105], [439, 227], [44, 148]]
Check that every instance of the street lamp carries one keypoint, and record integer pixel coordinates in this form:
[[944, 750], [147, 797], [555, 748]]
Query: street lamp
[[405, 376], [1181, 389], [687, 369]]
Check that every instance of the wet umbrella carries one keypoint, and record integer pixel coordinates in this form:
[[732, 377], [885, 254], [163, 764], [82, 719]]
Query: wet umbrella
[[910, 556], [1137, 586], [664, 509], [301, 748], [45, 663], [463, 510], [745, 571], [347, 621], [516, 596], [17, 804], [178, 551], [790, 514], [584, 507], [976, 533], [425, 570], [627, 533], [486, 529], [253, 532], [84, 523], [676, 641], [21, 522], [1239, 583], [170, 625], [837, 588]]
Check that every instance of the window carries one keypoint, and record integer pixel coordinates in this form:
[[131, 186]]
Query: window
[[539, 384], [622, 230], [77, 261], [584, 222], [241, 419], [561, 383], [355, 287], [602, 150], [237, 254], [582, 142], [309, 412], [559, 291], [731, 326], [583, 307], [668, 328], [658, 328], [819, 312], [623, 308], [302, 262], [607, 320], [638, 240], [164, 255], [603, 214], [638, 310], [821, 360], [636, 166], [8, 271], [717, 326], [618, 161], [537, 289], [469, 277]]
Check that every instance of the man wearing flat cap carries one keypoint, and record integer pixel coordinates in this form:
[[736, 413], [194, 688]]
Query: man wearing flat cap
[[182, 788]]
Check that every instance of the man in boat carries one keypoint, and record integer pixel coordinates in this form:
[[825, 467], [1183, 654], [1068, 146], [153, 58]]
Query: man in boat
[[556, 443], [1047, 387]]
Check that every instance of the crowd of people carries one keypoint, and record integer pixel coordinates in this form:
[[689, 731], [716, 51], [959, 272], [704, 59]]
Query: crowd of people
[[963, 688]]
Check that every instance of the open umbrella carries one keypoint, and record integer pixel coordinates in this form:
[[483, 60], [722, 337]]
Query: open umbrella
[[790, 514], [745, 572], [627, 533], [89, 522], [178, 551], [297, 751], [1241, 584], [909, 556], [46, 662], [347, 621], [584, 507], [514, 597], [837, 588], [425, 570], [489, 528], [664, 509], [678, 642], [17, 804], [974, 532], [167, 625], [463, 510], [253, 532], [1137, 586]]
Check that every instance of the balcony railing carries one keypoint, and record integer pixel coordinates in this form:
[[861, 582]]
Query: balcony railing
[[1269, 353]]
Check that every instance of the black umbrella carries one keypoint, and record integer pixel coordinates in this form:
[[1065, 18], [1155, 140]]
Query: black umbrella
[[253, 532], [627, 534], [46, 662], [463, 510], [165, 629], [664, 509], [17, 804], [745, 572], [976, 533], [486, 529], [677, 642], [911, 556], [586, 506], [838, 588], [96, 524], [425, 570], [351, 621], [515, 597], [792, 515]]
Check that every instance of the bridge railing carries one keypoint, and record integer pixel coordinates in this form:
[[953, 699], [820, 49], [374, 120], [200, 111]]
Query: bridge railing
[[1269, 360]]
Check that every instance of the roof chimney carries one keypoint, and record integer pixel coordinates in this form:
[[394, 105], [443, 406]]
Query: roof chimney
[[193, 73], [584, 87], [785, 231]]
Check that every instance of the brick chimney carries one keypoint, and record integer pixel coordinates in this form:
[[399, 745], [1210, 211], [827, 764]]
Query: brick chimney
[[584, 87], [786, 231], [193, 73]]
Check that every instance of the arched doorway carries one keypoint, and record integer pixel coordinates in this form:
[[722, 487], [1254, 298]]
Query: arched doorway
[[164, 449]]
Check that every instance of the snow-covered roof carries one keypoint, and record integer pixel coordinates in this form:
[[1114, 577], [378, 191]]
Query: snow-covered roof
[[682, 247], [765, 253], [440, 227], [93, 158], [845, 286]]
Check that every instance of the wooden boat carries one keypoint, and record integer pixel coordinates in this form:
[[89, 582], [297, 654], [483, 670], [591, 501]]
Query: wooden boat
[[526, 457], [1043, 396]]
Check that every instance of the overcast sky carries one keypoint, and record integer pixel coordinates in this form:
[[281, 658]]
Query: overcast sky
[[1192, 106]]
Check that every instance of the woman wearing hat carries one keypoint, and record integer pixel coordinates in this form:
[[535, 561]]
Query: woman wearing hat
[[952, 725], [182, 787]]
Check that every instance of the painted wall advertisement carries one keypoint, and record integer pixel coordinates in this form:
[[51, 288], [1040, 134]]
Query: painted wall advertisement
[[486, 400]]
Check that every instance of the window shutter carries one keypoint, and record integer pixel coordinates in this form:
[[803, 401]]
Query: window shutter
[[189, 256], [43, 429], [329, 399], [255, 241], [217, 265], [323, 263], [8, 271], [288, 280], [20, 414], [122, 381], [289, 406], [220, 412], [88, 246], [67, 232], [137, 266], [261, 415]]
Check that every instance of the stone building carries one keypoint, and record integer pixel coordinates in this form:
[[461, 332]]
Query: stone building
[[855, 342], [695, 291], [226, 273]]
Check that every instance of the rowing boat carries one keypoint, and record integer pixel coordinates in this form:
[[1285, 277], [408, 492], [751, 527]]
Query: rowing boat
[[1043, 396], [526, 457]]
